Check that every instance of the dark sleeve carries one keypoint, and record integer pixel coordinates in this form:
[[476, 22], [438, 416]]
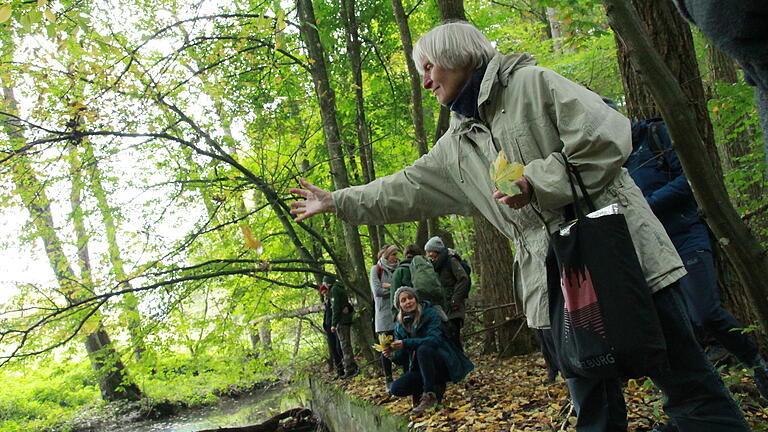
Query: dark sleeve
[[677, 191], [461, 289], [401, 356]]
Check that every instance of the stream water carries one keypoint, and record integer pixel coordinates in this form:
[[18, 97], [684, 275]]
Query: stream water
[[246, 410]]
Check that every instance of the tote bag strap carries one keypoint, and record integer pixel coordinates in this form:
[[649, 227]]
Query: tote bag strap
[[573, 172]]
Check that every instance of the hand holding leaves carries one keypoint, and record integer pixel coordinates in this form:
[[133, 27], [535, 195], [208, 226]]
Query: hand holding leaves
[[385, 341], [503, 173]]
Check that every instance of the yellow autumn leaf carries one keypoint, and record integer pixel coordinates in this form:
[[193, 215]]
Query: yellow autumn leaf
[[385, 341], [5, 13], [503, 174], [41, 3], [250, 241]]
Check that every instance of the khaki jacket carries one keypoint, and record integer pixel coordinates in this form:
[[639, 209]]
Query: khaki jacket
[[533, 114]]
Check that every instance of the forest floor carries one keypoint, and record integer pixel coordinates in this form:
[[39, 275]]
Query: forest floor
[[512, 395]]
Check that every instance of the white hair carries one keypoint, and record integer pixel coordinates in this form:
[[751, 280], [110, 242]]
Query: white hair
[[453, 45]]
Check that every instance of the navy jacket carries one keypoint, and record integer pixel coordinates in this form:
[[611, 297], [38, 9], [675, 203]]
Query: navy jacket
[[660, 176]]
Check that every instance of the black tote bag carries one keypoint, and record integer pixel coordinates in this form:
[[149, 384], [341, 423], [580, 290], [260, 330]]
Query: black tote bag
[[603, 319]]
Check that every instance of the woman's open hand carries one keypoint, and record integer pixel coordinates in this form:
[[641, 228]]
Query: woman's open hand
[[315, 201]]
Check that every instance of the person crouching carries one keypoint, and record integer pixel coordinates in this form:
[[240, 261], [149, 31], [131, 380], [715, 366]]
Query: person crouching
[[428, 357]]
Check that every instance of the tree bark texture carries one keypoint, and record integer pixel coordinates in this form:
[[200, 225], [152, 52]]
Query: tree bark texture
[[417, 107], [355, 278], [494, 261], [741, 246], [351, 24], [671, 36]]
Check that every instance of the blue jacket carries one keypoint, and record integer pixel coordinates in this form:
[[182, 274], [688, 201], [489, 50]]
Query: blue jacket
[[429, 331], [660, 176]]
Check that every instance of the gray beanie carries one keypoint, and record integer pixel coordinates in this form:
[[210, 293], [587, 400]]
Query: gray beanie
[[434, 244], [401, 290]]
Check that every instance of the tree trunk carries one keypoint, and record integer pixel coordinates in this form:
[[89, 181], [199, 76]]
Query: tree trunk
[[131, 314], [494, 261], [265, 336], [417, 108], [114, 381], [349, 17], [721, 66], [741, 246], [734, 145], [353, 278], [671, 36], [555, 29]]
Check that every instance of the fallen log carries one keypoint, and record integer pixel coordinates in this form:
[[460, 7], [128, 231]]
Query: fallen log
[[298, 420]]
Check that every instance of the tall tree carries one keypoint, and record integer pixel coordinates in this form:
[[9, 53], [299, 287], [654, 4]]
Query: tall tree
[[671, 37], [426, 227], [355, 276], [132, 314], [741, 246], [351, 24], [113, 377], [495, 262]]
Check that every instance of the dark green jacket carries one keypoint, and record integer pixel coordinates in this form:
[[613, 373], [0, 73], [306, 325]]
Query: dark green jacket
[[401, 277], [431, 331], [339, 301]]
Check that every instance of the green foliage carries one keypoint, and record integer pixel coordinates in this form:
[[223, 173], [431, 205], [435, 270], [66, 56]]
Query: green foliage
[[45, 396], [199, 123]]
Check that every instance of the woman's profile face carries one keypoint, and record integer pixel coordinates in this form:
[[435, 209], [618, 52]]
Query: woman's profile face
[[407, 302]]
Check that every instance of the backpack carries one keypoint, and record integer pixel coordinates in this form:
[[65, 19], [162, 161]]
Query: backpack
[[425, 281], [659, 143], [465, 266]]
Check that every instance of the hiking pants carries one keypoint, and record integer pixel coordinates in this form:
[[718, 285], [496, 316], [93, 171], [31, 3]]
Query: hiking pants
[[699, 288], [427, 371], [345, 340]]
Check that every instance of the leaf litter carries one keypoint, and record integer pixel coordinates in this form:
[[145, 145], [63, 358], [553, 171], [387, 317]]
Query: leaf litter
[[512, 395]]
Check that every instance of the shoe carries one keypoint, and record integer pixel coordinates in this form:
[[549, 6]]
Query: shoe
[[665, 427], [761, 378], [717, 354], [415, 399], [389, 384], [427, 401]]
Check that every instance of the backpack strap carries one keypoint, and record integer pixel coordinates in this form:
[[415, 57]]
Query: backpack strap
[[657, 144], [379, 270]]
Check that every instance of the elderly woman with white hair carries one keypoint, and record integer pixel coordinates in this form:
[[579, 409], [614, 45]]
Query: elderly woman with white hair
[[537, 117]]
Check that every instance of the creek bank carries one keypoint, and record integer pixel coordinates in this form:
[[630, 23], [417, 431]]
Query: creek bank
[[342, 411], [130, 416]]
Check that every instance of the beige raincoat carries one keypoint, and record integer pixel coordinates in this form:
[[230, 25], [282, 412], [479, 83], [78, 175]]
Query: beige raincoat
[[533, 114]]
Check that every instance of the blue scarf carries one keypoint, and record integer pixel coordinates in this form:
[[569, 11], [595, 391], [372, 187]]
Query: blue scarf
[[466, 101]]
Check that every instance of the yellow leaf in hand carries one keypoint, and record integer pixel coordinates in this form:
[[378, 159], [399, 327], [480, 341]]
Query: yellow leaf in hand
[[504, 174], [385, 341]]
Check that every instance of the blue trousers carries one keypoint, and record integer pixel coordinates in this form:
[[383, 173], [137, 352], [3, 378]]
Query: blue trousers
[[426, 372], [702, 299], [695, 397]]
